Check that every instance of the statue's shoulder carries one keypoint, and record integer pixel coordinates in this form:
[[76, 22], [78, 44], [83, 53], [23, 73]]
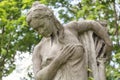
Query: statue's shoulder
[[76, 23], [71, 25], [42, 43]]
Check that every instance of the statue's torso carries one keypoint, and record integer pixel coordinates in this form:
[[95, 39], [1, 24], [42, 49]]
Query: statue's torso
[[75, 68]]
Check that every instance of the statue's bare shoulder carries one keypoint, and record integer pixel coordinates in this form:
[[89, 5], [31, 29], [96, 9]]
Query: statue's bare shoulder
[[39, 46], [36, 50], [71, 26]]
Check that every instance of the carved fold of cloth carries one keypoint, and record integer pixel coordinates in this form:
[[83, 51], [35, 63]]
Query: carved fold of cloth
[[95, 55], [91, 66]]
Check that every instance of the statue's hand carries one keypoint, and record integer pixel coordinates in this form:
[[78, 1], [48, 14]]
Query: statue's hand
[[108, 49], [65, 53], [108, 45]]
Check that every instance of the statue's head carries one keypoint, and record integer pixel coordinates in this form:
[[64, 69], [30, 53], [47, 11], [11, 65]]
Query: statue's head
[[41, 18]]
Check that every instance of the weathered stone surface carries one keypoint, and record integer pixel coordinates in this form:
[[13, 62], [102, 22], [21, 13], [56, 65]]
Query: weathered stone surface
[[68, 52]]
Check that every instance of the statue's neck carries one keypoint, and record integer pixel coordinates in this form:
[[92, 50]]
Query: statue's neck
[[57, 37], [58, 33]]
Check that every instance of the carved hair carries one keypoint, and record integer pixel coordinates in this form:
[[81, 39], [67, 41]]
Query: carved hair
[[44, 11]]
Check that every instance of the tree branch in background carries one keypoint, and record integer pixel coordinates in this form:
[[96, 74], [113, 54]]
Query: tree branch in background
[[116, 20]]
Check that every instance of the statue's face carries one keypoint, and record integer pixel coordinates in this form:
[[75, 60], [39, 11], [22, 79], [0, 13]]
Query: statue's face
[[42, 25]]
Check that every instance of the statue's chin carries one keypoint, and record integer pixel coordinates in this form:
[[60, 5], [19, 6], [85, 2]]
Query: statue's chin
[[46, 35]]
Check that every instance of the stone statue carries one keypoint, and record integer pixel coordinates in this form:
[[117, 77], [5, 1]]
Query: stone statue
[[67, 52]]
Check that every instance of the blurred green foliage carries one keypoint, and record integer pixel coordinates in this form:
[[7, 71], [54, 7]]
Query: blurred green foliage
[[16, 35]]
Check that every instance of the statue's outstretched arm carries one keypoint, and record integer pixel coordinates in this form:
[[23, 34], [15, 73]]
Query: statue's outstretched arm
[[96, 27]]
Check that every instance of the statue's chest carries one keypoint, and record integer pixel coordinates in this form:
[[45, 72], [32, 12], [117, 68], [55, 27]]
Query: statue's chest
[[49, 52]]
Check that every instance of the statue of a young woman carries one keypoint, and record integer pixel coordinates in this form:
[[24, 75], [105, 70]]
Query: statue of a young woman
[[60, 55]]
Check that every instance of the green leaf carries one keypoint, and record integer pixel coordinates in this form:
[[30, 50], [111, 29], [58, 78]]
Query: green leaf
[[3, 51]]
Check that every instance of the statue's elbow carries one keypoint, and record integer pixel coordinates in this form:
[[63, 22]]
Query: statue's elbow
[[41, 76], [38, 77]]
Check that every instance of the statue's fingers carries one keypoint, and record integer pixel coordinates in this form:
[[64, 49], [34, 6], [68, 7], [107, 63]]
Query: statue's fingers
[[69, 48]]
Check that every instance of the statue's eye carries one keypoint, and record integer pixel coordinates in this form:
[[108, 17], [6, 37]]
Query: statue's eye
[[35, 16]]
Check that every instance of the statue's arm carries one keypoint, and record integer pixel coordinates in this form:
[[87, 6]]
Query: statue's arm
[[48, 72], [95, 27], [36, 59], [45, 73]]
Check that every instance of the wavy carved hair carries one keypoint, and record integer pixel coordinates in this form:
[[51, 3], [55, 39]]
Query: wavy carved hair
[[44, 11]]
